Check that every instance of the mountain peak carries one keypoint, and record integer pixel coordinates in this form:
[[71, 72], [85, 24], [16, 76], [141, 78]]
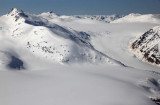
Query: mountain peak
[[14, 11], [52, 13], [49, 14]]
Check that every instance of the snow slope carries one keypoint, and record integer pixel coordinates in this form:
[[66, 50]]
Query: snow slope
[[113, 39]]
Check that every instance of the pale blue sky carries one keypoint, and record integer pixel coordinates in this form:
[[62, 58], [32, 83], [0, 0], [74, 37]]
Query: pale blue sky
[[77, 7]]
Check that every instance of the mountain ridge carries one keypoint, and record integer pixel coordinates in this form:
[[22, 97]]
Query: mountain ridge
[[64, 40], [51, 41]]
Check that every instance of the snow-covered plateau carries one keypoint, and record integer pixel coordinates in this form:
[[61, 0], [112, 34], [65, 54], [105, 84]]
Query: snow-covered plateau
[[51, 59]]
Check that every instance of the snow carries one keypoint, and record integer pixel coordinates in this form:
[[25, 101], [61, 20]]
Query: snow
[[73, 61], [132, 18], [82, 18], [103, 18], [159, 47], [114, 39], [48, 40], [146, 46], [70, 85]]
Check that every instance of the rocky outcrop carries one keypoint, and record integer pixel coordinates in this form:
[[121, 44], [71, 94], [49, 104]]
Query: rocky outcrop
[[147, 46]]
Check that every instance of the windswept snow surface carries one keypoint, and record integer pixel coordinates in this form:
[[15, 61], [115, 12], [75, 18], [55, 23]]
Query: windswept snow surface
[[79, 85], [65, 60]]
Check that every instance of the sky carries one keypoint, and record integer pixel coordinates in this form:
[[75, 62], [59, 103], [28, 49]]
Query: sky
[[82, 7]]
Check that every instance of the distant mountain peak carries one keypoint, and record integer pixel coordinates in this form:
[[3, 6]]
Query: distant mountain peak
[[103, 18], [50, 14], [15, 12], [134, 14]]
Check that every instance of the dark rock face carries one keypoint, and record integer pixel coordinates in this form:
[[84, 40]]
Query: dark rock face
[[16, 63], [146, 46], [157, 101]]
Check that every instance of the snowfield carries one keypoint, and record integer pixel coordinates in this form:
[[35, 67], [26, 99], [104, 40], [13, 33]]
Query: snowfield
[[76, 85], [48, 59]]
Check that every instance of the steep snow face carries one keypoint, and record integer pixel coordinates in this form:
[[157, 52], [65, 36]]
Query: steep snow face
[[132, 18], [147, 46], [50, 41]]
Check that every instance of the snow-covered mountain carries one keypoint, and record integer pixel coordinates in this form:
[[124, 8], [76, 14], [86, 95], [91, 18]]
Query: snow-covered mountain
[[65, 39], [59, 53], [50, 41], [103, 18], [68, 39], [130, 18], [135, 17], [147, 46]]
